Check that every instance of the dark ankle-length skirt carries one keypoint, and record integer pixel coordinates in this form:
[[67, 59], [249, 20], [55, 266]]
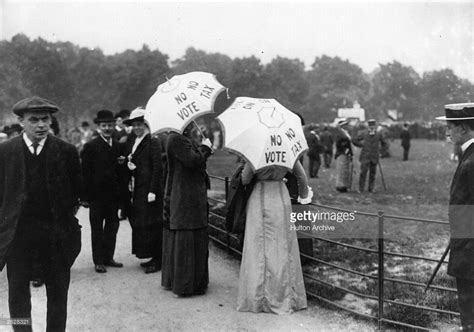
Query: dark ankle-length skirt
[[185, 261], [147, 241]]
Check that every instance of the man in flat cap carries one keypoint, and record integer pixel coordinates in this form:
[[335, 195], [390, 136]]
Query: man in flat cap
[[100, 166], [460, 123], [371, 142], [40, 186]]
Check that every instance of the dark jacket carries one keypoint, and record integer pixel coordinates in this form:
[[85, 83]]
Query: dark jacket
[[461, 218], [100, 169], [314, 145], [343, 145], [371, 146], [147, 179], [186, 186], [64, 189], [405, 137], [326, 141]]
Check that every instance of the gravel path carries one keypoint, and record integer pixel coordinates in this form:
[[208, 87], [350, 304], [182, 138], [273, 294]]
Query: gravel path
[[126, 299]]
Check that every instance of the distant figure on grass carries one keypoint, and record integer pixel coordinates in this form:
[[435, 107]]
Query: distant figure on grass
[[343, 157], [314, 152], [271, 278], [144, 166], [327, 143], [371, 143], [460, 123], [40, 186], [185, 215], [405, 137], [100, 164]]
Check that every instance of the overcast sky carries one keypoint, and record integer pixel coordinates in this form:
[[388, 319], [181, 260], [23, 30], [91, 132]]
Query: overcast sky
[[425, 35]]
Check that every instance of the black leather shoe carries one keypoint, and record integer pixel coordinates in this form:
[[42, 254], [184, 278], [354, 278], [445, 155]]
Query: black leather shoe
[[37, 283], [100, 268], [152, 268], [113, 263], [147, 264]]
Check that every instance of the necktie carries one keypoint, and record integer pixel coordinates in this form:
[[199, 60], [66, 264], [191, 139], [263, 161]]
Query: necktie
[[35, 148]]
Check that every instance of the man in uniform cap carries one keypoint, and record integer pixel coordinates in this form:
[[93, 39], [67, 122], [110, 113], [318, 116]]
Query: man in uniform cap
[[460, 123], [40, 185], [371, 142], [100, 166]]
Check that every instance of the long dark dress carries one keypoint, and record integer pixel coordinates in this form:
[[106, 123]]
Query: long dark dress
[[343, 161], [185, 239], [146, 218]]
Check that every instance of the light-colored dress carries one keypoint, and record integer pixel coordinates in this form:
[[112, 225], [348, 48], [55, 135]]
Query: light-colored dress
[[271, 279]]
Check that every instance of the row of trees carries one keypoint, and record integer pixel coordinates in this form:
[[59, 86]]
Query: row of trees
[[84, 80]]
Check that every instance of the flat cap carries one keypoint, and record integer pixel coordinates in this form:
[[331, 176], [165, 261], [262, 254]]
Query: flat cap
[[33, 104]]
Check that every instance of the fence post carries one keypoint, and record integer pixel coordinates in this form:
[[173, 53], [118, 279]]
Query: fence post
[[226, 184], [380, 268]]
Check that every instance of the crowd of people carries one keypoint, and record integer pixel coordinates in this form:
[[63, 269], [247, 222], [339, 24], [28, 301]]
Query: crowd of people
[[159, 183]]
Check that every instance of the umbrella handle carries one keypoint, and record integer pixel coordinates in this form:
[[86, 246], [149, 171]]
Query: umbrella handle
[[200, 131]]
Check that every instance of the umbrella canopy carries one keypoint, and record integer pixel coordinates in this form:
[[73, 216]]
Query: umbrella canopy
[[264, 132], [180, 100]]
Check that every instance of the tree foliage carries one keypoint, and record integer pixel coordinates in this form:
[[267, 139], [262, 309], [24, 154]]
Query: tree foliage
[[83, 81]]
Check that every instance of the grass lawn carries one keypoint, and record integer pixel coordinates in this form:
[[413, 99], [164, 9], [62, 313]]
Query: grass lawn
[[416, 188]]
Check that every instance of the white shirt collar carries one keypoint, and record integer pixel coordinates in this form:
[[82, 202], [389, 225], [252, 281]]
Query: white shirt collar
[[109, 141], [29, 144], [466, 145], [138, 140]]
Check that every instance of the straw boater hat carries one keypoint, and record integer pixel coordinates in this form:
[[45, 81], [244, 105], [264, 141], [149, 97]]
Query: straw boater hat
[[342, 122], [454, 112], [372, 122], [137, 114]]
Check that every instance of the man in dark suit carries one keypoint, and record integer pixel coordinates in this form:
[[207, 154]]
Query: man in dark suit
[[460, 122], [314, 152], [328, 143], [405, 137], [100, 166], [40, 185], [371, 142]]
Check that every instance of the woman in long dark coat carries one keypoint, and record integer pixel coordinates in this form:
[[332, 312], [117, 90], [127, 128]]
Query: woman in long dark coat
[[144, 163], [185, 238]]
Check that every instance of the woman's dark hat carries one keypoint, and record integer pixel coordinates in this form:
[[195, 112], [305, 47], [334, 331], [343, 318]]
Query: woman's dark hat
[[104, 116], [34, 104], [12, 128], [456, 112]]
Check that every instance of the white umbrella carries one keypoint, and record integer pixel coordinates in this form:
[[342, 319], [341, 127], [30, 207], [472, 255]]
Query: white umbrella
[[180, 100], [264, 132]]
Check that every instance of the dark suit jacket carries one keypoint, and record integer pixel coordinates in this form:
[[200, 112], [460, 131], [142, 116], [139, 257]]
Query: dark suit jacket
[[326, 140], [461, 218], [100, 169], [147, 179], [63, 186], [343, 145], [314, 145], [186, 185], [405, 137], [371, 146]]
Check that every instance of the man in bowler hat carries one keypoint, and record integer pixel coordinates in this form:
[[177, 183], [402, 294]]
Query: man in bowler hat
[[40, 186], [460, 123], [100, 167]]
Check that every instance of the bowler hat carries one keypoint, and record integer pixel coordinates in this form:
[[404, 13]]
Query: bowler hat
[[455, 112], [137, 114], [104, 116], [34, 104]]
